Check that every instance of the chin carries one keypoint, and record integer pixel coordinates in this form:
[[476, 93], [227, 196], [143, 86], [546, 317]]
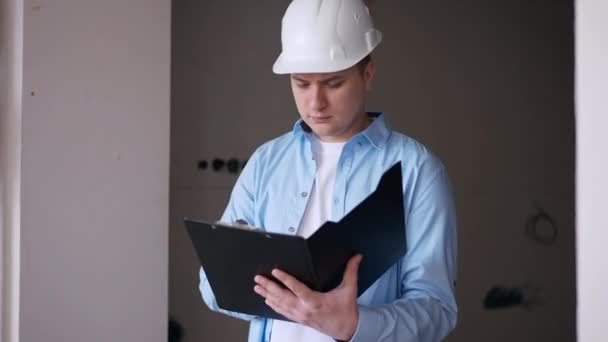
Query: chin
[[322, 131]]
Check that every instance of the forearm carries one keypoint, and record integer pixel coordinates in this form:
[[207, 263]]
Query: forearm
[[422, 319]]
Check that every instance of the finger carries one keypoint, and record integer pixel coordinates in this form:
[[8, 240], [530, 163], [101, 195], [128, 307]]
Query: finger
[[352, 270], [260, 290], [284, 310], [273, 290], [297, 287]]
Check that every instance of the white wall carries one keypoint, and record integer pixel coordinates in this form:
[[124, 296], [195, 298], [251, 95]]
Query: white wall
[[11, 66], [94, 171], [592, 168]]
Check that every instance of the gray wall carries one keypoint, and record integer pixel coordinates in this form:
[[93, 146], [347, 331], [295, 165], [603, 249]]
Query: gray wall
[[592, 167], [94, 177], [487, 85]]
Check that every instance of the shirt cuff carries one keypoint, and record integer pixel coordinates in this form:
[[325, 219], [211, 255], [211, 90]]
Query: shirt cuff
[[369, 327]]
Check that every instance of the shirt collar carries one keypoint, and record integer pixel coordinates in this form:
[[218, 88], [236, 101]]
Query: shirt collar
[[376, 133]]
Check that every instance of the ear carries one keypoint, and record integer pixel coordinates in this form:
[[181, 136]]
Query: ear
[[368, 74]]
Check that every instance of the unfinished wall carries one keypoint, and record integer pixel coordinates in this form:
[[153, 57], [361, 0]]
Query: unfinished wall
[[488, 85]]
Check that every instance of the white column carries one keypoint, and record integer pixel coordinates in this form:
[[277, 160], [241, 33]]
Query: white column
[[11, 67], [94, 171], [592, 168]]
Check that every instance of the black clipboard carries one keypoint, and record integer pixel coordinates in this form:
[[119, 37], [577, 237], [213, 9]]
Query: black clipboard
[[232, 255]]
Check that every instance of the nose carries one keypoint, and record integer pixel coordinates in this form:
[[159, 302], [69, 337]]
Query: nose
[[318, 98]]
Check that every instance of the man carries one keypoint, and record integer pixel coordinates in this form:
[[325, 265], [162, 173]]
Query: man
[[331, 160]]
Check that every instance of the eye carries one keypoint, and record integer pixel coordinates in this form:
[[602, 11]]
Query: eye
[[301, 85], [335, 84]]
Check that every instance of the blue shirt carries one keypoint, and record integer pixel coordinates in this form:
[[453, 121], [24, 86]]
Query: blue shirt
[[414, 300]]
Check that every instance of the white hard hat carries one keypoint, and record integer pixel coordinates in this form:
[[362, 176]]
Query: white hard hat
[[325, 36]]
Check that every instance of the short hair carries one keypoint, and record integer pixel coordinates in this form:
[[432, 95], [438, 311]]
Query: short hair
[[363, 63]]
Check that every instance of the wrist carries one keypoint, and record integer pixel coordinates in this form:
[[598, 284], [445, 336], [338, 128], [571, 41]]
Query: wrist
[[350, 328]]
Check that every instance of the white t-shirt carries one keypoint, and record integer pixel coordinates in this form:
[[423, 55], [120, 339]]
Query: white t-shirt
[[318, 210]]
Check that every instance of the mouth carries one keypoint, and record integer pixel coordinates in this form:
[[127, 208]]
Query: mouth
[[320, 119]]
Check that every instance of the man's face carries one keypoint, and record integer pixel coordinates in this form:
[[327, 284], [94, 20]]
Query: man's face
[[332, 103]]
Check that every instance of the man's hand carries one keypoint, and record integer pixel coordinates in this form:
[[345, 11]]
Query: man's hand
[[334, 313]]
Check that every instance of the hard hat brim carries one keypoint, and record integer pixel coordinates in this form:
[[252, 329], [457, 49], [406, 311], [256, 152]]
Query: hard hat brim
[[281, 66]]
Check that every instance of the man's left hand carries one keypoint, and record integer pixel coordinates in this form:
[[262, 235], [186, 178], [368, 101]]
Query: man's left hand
[[334, 313]]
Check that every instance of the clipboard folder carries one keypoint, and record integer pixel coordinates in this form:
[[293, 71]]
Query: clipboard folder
[[232, 255]]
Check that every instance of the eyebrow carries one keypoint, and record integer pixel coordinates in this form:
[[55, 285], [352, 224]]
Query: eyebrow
[[327, 80]]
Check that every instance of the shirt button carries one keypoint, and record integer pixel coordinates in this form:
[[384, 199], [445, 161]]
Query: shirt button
[[291, 229], [304, 194]]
